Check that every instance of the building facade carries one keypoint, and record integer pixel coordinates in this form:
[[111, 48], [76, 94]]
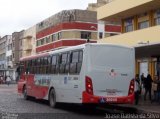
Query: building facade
[[9, 62], [68, 28], [28, 42], [16, 50], [94, 6], [3, 61], [6, 63], [140, 22]]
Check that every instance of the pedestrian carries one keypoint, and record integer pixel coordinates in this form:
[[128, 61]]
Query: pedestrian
[[148, 86], [137, 89], [8, 79], [154, 88], [142, 80], [158, 90]]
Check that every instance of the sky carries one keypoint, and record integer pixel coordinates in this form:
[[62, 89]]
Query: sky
[[16, 15]]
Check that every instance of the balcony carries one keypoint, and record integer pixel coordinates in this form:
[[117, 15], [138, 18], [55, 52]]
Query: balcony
[[136, 38], [120, 9], [27, 46]]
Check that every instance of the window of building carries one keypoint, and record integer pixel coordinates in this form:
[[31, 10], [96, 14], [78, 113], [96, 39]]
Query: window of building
[[50, 38], [128, 25], [143, 24], [129, 28], [20, 42], [85, 35], [42, 41], [59, 35], [11, 58], [12, 55], [157, 17], [53, 37], [39, 42], [157, 21], [13, 43], [47, 39]]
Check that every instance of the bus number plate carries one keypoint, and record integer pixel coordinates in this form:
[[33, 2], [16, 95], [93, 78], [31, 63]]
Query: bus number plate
[[111, 99]]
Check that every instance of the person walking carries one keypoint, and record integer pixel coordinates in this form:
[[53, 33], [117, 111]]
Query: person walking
[[157, 92], [148, 86], [142, 79], [154, 88], [137, 89], [8, 79]]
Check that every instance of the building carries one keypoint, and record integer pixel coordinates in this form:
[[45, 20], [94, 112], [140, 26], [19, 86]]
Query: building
[[94, 6], [9, 62], [68, 28], [3, 62], [28, 42], [16, 50], [140, 22], [6, 64]]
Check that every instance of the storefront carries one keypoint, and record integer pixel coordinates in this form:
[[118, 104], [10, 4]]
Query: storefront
[[148, 59]]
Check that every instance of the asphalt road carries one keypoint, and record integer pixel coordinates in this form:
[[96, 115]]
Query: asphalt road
[[13, 106]]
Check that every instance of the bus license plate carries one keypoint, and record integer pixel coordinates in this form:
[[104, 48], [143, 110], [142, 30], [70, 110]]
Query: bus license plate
[[111, 99]]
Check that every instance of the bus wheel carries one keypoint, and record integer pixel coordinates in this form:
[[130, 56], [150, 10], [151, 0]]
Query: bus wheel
[[25, 96], [52, 98]]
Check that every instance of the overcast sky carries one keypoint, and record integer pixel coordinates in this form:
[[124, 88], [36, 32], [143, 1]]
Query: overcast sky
[[16, 15]]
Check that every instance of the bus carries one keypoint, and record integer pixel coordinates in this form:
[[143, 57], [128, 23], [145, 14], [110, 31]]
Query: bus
[[85, 74]]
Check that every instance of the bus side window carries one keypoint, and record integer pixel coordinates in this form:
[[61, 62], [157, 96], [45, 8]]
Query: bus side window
[[48, 67], [53, 64], [67, 63], [37, 66], [41, 65], [27, 67], [76, 62], [20, 69], [31, 67], [73, 63], [80, 59], [57, 64], [62, 63], [45, 64]]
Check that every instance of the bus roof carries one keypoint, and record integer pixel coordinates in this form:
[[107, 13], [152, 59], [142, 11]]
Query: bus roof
[[82, 46], [87, 44], [34, 56]]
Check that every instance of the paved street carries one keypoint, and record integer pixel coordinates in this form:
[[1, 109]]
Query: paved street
[[13, 105]]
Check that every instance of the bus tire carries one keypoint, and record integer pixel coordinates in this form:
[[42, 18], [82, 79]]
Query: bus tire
[[25, 96], [52, 98]]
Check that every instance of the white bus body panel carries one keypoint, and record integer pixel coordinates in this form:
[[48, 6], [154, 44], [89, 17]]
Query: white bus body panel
[[111, 69]]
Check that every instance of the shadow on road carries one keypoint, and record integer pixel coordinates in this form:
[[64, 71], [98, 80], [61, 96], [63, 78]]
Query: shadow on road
[[89, 109]]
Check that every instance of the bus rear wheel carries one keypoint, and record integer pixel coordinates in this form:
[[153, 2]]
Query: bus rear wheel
[[25, 96], [52, 99]]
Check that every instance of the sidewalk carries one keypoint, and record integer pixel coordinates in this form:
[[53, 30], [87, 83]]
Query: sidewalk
[[145, 106]]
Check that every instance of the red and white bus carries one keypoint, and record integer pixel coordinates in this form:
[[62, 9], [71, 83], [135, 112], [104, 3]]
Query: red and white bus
[[88, 73]]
